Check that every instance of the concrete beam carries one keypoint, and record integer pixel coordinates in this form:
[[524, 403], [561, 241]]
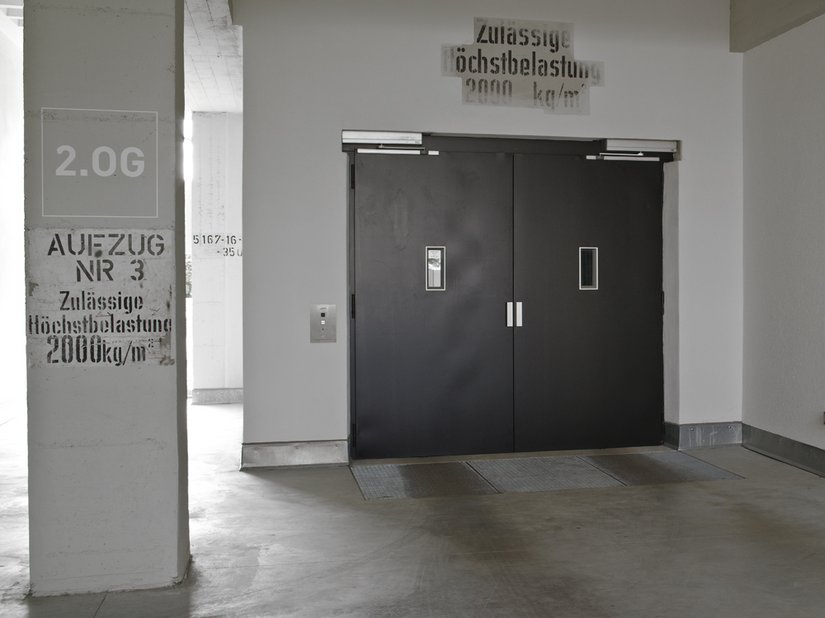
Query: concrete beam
[[753, 22]]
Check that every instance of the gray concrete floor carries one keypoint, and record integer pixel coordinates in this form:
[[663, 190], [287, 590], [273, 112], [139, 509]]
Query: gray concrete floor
[[303, 542]]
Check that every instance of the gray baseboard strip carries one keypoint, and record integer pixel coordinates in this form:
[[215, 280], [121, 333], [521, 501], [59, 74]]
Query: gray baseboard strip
[[286, 454], [212, 396], [790, 451], [703, 435]]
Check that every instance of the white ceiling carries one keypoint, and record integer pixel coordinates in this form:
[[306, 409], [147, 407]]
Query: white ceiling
[[213, 54]]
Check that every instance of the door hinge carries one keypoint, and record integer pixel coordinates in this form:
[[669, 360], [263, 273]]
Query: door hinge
[[352, 306], [352, 176]]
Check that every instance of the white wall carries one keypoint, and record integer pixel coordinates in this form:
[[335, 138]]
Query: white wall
[[217, 256], [313, 68], [784, 227], [12, 298]]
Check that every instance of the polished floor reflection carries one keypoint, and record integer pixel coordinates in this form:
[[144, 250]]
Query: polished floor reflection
[[305, 542]]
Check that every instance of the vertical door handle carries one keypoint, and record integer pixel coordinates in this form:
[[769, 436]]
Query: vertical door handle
[[519, 315], [510, 315]]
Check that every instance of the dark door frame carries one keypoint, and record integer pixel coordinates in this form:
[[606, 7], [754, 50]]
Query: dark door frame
[[585, 147]]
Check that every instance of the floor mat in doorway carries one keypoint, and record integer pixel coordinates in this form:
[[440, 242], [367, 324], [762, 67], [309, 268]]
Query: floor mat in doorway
[[530, 474], [654, 468], [542, 474], [379, 481]]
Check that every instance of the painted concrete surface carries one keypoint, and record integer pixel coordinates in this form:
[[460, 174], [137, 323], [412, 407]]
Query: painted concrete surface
[[755, 21], [104, 284], [668, 75], [14, 508], [12, 282], [217, 254], [303, 542], [784, 220]]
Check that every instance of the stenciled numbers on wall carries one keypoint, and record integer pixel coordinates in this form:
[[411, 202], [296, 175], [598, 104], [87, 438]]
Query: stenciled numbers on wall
[[548, 332], [99, 296], [522, 63]]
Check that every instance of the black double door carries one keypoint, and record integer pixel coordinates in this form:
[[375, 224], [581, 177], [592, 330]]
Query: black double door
[[548, 332]]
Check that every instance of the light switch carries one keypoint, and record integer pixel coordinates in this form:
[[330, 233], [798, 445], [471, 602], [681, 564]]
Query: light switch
[[322, 324]]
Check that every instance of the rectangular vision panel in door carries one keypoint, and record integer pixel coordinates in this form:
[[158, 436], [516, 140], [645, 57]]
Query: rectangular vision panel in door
[[433, 352], [588, 271]]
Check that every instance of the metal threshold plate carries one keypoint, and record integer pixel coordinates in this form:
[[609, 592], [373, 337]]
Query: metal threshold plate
[[542, 474], [654, 468], [382, 481]]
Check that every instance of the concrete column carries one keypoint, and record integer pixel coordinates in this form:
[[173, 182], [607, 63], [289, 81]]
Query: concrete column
[[103, 84], [217, 250]]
